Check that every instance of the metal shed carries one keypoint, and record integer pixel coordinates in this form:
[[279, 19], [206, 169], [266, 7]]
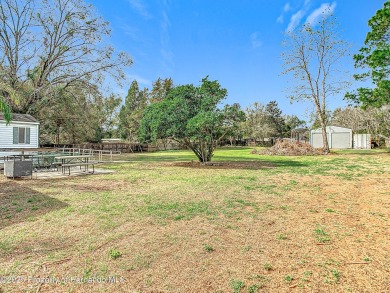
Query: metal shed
[[338, 137], [362, 141]]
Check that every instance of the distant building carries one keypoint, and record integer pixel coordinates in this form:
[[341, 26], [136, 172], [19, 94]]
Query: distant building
[[112, 140], [338, 137], [21, 133]]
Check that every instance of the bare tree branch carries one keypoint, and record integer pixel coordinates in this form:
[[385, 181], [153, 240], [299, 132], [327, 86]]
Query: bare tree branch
[[67, 50], [312, 56]]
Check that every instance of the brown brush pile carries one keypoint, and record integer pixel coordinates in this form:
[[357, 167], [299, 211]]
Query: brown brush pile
[[292, 148]]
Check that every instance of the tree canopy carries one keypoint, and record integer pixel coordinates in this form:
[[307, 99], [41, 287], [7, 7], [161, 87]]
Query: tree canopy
[[160, 89], [4, 107], [375, 56], [55, 58], [190, 115], [131, 112], [6, 110], [275, 118], [374, 120], [51, 45], [268, 121]]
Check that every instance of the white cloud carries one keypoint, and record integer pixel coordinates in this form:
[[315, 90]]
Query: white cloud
[[297, 17], [139, 79], [130, 31], [255, 41], [295, 20], [165, 49], [139, 6], [165, 23], [323, 11], [286, 8]]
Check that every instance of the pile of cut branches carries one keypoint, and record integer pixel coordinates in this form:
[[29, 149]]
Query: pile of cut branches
[[285, 147]]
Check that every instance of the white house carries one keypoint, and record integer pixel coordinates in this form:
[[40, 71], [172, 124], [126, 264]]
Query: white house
[[338, 137], [21, 133]]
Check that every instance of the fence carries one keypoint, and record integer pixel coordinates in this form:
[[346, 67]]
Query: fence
[[115, 147], [99, 155], [123, 147]]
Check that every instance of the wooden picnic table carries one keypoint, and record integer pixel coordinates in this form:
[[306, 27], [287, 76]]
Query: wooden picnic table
[[72, 161], [43, 161]]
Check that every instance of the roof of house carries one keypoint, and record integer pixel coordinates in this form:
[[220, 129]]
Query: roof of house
[[20, 118]]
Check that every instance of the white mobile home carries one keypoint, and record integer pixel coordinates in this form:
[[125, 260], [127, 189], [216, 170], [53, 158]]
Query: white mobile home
[[21, 133], [338, 137]]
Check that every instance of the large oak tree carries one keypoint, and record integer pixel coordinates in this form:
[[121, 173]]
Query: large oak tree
[[192, 116]]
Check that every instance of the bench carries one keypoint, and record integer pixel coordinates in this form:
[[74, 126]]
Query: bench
[[55, 165], [69, 166]]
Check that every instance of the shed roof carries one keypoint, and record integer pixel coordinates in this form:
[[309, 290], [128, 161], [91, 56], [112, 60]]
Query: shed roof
[[20, 118], [332, 129]]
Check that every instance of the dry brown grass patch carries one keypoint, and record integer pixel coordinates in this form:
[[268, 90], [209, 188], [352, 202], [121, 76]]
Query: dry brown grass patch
[[269, 227], [250, 165]]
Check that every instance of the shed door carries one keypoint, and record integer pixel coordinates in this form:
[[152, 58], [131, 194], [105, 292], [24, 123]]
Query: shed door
[[341, 140], [362, 141], [317, 140]]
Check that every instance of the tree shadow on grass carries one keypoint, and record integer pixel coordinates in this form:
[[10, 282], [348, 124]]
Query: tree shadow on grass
[[248, 165], [19, 203], [365, 153], [162, 158]]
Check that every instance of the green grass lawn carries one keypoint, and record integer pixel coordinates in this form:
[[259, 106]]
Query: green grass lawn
[[164, 223]]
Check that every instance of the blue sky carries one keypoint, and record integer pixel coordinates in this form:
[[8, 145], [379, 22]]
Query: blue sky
[[237, 42]]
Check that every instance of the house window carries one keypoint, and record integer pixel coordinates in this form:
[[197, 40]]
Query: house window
[[21, 135]]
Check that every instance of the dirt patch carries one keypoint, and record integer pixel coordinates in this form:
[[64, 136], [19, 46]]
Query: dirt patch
[[96, 186], [250, 165], [277, 250]]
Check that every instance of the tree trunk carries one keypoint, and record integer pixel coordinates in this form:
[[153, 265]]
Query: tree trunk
[[325, 139], [202, 150], [58, 134]]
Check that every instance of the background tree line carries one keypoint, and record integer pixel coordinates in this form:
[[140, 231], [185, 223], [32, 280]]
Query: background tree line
[[267, 121], [54, 59]]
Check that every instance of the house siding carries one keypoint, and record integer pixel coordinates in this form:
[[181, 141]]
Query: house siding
[[6, 135]]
